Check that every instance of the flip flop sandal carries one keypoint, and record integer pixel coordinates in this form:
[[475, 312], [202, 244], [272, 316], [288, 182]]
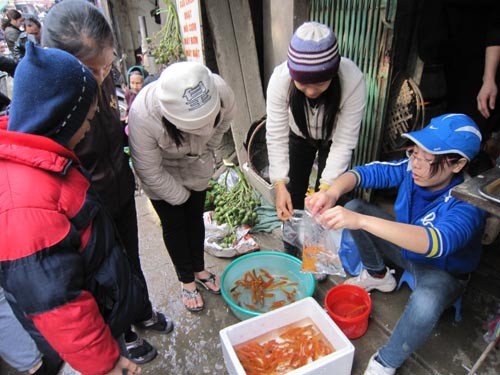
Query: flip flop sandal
[[209, 279], [193, 296]]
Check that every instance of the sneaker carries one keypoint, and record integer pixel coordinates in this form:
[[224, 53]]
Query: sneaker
[[158, 323], [376, 368], [49, 367], [140, 351], [368, 282]]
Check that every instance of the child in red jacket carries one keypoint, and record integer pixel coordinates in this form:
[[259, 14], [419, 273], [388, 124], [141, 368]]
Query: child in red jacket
[[63, 270]]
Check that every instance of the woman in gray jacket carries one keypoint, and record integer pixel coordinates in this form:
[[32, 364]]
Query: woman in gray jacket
[[11, 26], [175, 124]]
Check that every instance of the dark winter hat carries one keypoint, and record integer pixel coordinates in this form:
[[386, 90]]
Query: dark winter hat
[[31, 18], [53, 92], [453, 133], [313, 54], [136, 68]]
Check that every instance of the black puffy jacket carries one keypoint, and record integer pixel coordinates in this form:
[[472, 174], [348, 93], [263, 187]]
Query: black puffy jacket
[[101, 153]]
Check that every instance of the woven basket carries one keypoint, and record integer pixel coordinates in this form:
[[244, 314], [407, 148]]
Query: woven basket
[[405, 114], [257, 149]]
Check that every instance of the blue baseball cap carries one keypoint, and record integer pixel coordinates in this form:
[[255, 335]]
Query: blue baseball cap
[[453, 133]]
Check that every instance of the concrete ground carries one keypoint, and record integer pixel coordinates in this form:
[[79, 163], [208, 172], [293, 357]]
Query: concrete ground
[[194, 346]]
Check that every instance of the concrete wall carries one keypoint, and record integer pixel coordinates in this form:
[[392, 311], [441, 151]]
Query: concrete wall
[[135, 10], [124, 14], [277, 29], [281, 18]]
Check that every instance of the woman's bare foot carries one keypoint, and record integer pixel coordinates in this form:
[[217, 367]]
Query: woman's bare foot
[[191, 298]]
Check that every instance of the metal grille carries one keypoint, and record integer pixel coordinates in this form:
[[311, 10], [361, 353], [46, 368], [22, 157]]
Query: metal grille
[[364, 29]]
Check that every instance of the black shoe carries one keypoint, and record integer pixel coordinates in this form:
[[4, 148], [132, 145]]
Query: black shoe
[[49, 367], [140, 351], [158, 323]]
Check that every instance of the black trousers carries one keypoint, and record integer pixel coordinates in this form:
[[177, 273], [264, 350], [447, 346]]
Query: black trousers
[[302, 153], [184, 234], [126, 226]]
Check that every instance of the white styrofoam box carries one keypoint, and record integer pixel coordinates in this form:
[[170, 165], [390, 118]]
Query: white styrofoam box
[[338, 362], [262, 186]]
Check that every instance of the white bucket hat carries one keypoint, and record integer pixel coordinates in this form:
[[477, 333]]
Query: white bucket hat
[[188, 96]]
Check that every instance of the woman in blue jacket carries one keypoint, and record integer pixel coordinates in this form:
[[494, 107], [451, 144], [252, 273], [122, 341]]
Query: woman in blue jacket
[[434, 236]]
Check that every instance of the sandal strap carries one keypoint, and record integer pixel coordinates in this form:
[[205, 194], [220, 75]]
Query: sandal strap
[[209, 279], [190, 294]]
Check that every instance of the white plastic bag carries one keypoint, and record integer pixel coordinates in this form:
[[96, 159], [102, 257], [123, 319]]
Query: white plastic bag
[[215, 234]]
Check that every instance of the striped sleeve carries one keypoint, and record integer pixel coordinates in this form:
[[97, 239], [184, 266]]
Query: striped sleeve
[[357, 175], [435, 243]]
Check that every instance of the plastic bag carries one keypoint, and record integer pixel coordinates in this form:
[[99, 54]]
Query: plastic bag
[[214, 235], [319, 250], [293, 237], [228, 179], [349, 254]]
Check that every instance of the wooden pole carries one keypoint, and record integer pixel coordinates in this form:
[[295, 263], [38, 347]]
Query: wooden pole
[[483, 356]]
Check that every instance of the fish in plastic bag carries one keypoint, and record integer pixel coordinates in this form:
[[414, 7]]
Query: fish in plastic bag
[[320, 248]]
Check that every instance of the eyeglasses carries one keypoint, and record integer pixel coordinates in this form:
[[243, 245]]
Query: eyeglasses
[[410, 153]]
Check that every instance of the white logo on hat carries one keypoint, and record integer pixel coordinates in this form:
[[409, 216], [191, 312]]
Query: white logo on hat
[[470, 129], [196, 96]]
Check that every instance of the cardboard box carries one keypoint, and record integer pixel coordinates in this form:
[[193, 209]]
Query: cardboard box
[[338, 362]]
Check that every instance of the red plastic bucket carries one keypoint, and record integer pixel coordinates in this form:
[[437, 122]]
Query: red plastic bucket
[[349, 306]]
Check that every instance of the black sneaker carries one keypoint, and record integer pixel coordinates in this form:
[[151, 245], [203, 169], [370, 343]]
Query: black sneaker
[[49, 367], [140, 351], [158, 323]]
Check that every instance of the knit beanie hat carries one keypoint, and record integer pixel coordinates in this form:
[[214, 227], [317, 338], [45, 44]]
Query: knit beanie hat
[[53, 92], [188, 96], [313, 54]]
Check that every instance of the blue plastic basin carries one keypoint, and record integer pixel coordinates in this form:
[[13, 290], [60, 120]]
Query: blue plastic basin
[[277, 264]]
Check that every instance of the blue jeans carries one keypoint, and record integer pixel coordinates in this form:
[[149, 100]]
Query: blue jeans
[[17, 348], [435, 289]]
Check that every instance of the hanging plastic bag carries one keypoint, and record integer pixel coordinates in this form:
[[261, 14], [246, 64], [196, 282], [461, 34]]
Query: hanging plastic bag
[[349, 254], [319, 251]]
